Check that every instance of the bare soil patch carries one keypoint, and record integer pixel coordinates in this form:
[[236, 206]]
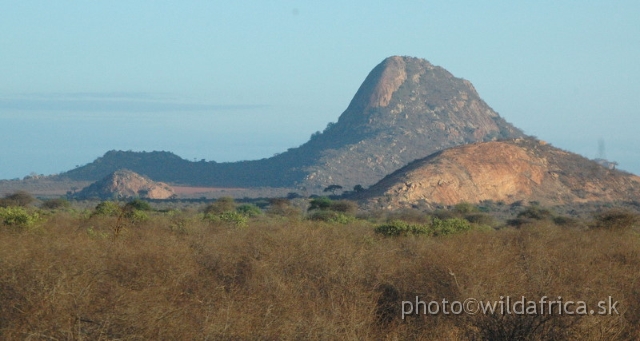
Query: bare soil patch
[[185, 190], [217, 192], [44, 187]]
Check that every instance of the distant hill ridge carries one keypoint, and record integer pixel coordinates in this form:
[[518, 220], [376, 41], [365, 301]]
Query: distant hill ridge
[[405, 109]]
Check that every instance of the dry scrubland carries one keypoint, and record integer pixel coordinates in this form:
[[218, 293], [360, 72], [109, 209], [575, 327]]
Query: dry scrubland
[[277, 276]]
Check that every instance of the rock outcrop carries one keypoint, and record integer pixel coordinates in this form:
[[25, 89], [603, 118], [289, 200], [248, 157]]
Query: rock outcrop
[[123, 184], [508, 171]]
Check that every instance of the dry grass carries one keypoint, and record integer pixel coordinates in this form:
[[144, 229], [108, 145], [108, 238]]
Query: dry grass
[[179, 278]]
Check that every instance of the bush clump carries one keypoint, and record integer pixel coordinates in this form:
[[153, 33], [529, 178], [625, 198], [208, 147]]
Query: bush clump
[[401, 228], [18, 216], [324, 203], [136, 216], [344, 206], [481, 219], [284, 208], [529, 215], [449, 226], [108, 208], [327, 210], [224, 204], [616, 219], [320, 203], [465, 208], [139, 205], [54, 204], [536, 212], [331, 217], [437, 227], [228, 217], [249, 210], [19, 198]]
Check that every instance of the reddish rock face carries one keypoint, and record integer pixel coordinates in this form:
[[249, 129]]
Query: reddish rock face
[[126, 184], [393, 75], [509, 171]]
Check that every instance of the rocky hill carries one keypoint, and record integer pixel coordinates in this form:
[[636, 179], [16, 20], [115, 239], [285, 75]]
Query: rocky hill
[[405, 109], [508, 171], [123, 184]]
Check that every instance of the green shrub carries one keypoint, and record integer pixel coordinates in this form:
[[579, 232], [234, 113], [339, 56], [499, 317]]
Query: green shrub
[[438, 227], [320, 203], [137, 216], [401, 228], [138, 204], [449, 226], [108, 208], [228, 217], [249, 210], [18, 216], [324, 209], [331, 217]]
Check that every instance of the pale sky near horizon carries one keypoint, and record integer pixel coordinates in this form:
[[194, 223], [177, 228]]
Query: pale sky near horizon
[[241, 80]]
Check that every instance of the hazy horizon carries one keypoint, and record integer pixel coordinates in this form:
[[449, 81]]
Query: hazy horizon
[[242, 81]]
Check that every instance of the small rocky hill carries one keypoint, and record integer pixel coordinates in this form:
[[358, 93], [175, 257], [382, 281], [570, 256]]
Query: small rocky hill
[[405, 109], [508, 171], [123, 184]]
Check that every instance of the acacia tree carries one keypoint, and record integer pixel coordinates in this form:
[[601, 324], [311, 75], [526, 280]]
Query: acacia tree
[[332, 189]]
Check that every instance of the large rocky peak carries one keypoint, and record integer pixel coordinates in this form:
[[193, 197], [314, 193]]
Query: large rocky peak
[[404, 90], [406, 109]]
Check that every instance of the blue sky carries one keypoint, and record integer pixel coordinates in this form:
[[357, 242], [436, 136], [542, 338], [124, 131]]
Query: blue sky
[[227, 81]]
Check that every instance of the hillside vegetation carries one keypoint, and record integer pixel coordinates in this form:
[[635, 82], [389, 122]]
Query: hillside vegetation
[[231, 271]]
